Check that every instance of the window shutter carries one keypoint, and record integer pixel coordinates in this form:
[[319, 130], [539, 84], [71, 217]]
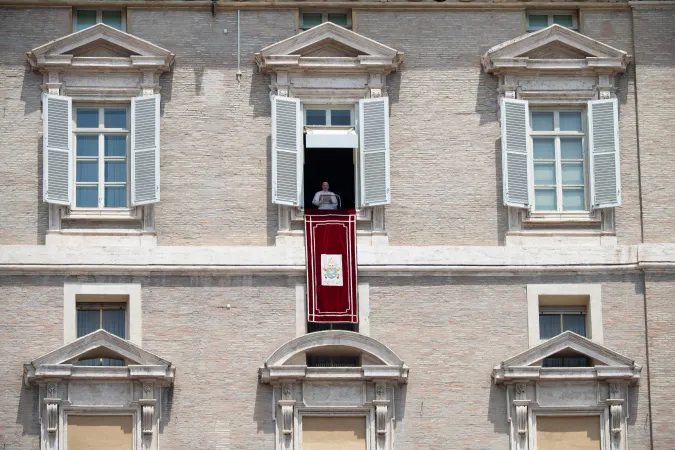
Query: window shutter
[[145, 150], [57, 149], [516, 153], [286, 151], [603, 144], [374, 151]]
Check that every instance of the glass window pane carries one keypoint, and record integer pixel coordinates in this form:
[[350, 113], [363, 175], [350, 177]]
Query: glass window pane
[[552, 362], [87, 171], [572, 173], [571, 148], [575, 323], [88, 321], [574, 199], [316, 117], [545, 200], [310, 20], [542, 121], [115, 197], [113, 18], [86, 117], [87, 145], [112, 362], [338, 19], [549, 325], [114, 321], [115, 145], [115, 118], [115, 171], [563, 19], [537, 21], [87, 196], [340, 117], [544, 148], [570, 121], [544, 174], [85, 18]]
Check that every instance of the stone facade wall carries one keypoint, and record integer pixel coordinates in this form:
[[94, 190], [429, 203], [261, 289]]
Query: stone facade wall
[[23, 214]]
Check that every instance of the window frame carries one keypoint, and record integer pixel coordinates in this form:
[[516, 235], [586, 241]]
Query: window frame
[[101, 158], [99, 17], [69, 410], [352, 108], [550, 13], [357, 411], [324, 17], [100, 306], [562, 311], [601, 411], [557, 135]]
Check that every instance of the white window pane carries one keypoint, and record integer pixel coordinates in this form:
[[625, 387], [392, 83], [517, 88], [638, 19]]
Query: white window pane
[[544, 148], [115, 171], [573, 199], [570, 121], [87, 145], [86, 118], [115, 197], [310, 20], [544, 174], [85, 18], [113, 19], [537, 21], [572, 173], [571, 148], [115, 145], [115, 118], [87, 171], [316, 117], [87, 196], [340, 117], [542, 121], [545, 200], [563, 19]]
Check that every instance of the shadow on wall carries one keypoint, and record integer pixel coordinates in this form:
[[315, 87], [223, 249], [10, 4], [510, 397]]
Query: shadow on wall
[[502, 211], [262, 410], [497, 409], [27, 413], [167, 405], [42, 207], [272, 209], [487, 99]]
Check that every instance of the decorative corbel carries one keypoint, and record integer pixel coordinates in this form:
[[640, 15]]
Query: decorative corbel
[[375, 93], [52, 405], [615, 408], [148, 408], [287, 404], [521, 403], [605, 87], [381, 403]]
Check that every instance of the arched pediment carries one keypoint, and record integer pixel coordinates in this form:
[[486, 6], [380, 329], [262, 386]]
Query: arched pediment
[[382, 361], [328, 47]]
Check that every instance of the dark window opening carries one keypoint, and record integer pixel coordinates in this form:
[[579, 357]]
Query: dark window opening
[[334, 165], [100, 362], [333, 361], [111, 317], [555, 320], [566, 361], [324, 326]]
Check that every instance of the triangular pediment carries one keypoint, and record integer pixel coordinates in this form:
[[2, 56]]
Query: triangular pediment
[[104, 43], [553, 43], [325, 42], [572, 343], [100, 343]]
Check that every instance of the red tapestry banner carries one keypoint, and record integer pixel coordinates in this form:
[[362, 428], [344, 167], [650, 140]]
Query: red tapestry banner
[[330, 238]]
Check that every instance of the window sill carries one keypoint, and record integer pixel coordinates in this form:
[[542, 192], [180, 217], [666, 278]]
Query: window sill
[[102, 214], [544, 218], [362, 215]]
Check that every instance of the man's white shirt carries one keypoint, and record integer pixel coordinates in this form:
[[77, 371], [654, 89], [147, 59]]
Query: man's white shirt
[[325, 200]]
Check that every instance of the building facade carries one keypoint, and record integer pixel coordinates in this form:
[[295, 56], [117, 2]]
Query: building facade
[[509, 165]]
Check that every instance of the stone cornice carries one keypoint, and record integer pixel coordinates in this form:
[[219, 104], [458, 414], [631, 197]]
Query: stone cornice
[[372, 261]]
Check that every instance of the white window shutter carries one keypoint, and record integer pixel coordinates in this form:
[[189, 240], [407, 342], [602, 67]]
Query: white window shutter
[[374, 151], [57, 149], [287, 151], [516, 154], [145, 150], [603, 144]]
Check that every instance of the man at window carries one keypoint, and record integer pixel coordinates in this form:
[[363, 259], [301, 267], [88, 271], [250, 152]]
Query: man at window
[[325, 199]]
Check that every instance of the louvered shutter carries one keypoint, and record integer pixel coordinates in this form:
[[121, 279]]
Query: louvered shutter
[[374, 151], [145, 150], [516, 153], [286, 151], [57, 149], [603, 144]]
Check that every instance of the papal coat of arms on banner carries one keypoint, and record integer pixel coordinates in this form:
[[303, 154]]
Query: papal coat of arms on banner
[[331, 270]]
